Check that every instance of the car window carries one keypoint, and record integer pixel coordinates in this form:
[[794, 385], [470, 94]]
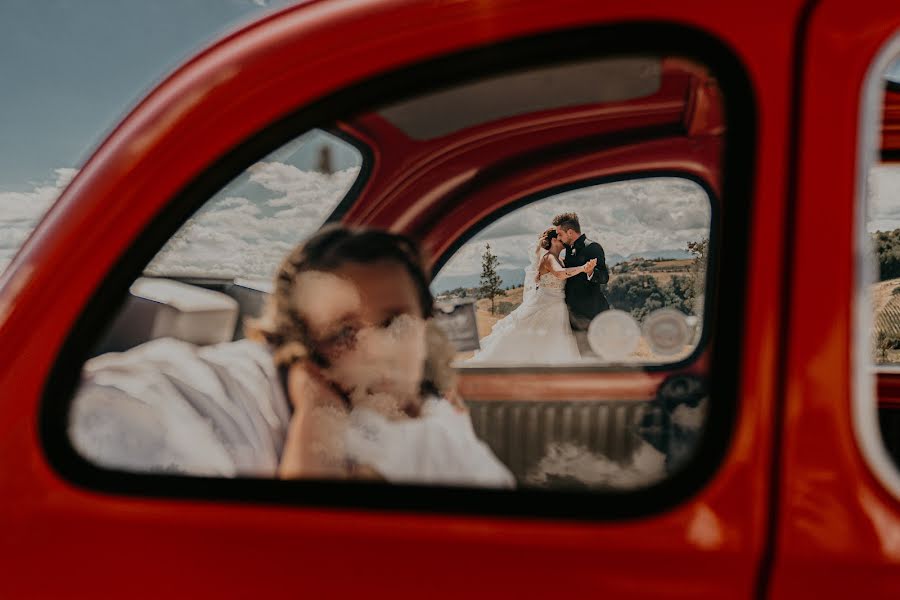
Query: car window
[[881, 275], [654, 235], [522, 300], [246, 229]]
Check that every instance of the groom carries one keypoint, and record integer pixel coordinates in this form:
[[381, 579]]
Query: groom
[[584, 294]]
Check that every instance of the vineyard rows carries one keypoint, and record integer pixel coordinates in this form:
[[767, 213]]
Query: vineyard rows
[[888, 320]]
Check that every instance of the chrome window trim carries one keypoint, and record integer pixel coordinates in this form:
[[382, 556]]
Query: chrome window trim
[[863, 372]]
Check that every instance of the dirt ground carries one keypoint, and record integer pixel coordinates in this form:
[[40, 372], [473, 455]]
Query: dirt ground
[[486, 320], [881, 294]]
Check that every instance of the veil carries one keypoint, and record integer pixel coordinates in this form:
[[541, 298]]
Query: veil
[[531, 272]]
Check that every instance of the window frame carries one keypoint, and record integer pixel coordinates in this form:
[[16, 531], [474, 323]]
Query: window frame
[[864, 372], [738, 179]]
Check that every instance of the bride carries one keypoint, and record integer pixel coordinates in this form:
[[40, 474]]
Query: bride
[[538, 331]]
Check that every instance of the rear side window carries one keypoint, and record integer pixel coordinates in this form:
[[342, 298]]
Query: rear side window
[[654, 233], [877, 353]]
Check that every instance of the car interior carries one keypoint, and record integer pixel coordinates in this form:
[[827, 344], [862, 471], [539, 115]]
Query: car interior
[[443, 166]]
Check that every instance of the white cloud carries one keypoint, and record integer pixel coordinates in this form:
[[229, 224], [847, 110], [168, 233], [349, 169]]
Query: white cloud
[[884, 198], [234, 236], [21, 211]]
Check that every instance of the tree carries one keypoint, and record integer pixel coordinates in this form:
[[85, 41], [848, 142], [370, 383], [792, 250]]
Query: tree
[[887, 248], [643, 293], [700, 250], [490, 284], [697, 275], [679, 293], [638, 294]]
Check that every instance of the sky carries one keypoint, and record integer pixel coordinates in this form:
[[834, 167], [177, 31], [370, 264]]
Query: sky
[[70, 70], [884, 198], [893, 72], [247, 228], [80, 66]]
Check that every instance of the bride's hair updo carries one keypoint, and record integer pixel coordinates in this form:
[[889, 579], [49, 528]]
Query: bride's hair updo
[[546, 238]]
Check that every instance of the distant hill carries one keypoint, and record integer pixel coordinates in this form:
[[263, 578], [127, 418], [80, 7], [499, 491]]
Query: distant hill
[[444, 283], [614, 259]]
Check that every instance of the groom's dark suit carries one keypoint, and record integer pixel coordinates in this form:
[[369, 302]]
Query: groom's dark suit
[[585, 296]]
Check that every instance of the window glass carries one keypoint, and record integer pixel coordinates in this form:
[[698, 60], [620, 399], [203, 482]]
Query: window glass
[[246, 229], [884, 232], [564, 342], [654, 236]]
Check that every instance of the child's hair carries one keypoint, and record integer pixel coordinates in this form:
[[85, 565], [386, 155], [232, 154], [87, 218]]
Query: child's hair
[[286, 332]]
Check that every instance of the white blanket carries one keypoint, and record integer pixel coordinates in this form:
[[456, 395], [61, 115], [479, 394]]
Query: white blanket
[[438, 447], [170, 406], [174, 407]]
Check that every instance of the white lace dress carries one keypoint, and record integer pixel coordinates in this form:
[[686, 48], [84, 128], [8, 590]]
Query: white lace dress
[[537, 332]]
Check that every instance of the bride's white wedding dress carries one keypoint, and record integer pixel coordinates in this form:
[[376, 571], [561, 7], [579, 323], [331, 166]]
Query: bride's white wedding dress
[[536, 332]]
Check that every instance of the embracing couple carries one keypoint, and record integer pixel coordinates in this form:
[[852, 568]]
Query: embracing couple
[[561, 297]]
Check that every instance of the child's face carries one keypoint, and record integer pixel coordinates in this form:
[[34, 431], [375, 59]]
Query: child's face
[[379, 293], [367, 325]]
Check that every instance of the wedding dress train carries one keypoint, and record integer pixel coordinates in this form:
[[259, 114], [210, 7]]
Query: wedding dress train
[[537, 332]]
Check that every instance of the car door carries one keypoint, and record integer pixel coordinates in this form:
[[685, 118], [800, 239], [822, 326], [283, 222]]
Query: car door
[[73, 528], [837, 490]]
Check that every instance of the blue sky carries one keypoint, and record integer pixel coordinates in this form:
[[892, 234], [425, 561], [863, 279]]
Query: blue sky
[[70, 70], [893, 72]]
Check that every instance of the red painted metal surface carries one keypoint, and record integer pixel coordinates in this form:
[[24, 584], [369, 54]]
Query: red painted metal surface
[[890, 127], [416, 175], [62, 541], [889, 391], [837, 525]]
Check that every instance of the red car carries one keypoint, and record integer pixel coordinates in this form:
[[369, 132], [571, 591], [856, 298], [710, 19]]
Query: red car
[[444, 118]]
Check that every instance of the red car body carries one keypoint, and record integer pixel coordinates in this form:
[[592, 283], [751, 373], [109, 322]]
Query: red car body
[[793, 509]]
